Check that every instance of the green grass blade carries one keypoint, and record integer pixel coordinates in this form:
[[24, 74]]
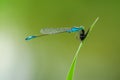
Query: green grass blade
[[72, 68]]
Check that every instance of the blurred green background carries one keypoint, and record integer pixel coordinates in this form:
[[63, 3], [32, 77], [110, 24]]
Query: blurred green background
[[49, 57]]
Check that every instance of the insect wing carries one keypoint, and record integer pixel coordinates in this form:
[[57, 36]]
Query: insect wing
[[53, 30]]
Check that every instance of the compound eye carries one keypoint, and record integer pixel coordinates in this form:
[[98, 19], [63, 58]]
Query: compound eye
[[82, 35]]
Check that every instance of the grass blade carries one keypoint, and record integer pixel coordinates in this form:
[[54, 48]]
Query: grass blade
[[72, 68]]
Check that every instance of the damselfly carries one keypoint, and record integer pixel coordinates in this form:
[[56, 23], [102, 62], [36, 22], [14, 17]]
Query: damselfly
[[48, 31]]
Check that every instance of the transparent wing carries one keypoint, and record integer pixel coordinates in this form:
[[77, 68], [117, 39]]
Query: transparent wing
[[53, 30]]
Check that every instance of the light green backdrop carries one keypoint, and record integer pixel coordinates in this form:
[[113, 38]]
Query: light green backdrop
[[49, 58]]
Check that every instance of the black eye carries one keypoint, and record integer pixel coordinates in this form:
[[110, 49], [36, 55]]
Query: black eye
[[83, 34]]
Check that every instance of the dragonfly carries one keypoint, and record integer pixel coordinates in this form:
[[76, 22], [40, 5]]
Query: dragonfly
[[49, 31]]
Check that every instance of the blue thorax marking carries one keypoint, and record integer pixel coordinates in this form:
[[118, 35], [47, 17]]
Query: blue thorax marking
[[75, 29]]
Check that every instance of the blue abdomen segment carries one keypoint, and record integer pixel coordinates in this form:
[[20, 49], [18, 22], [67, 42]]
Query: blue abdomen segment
[[75, 29], [30, 37]]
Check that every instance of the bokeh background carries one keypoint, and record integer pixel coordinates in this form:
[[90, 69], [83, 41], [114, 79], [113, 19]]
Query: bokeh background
[[49, 57]]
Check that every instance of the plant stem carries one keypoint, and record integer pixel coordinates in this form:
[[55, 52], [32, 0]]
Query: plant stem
[[72, 68]]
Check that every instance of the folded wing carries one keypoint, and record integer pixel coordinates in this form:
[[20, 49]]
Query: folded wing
[[54, 30]]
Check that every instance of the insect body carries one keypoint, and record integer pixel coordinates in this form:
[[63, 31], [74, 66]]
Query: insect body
[[48, 31]]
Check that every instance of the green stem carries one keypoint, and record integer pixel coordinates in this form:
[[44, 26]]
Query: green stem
[[72, 68]]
